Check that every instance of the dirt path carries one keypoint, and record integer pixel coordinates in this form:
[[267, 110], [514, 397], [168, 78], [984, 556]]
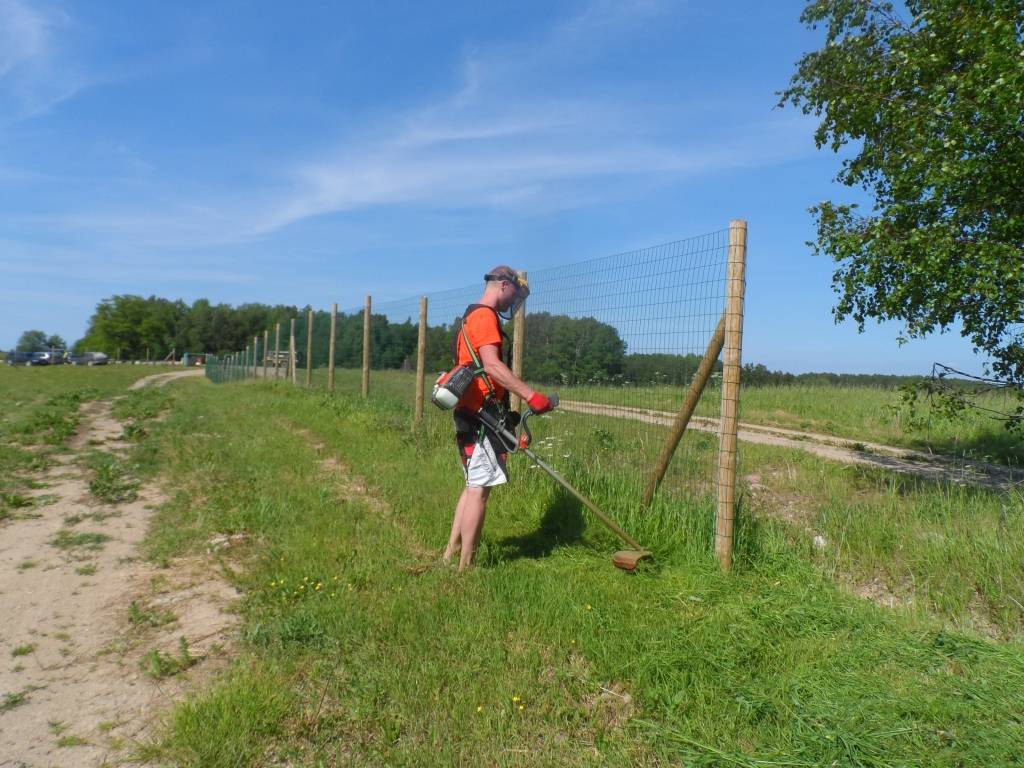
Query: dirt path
[[830, 447], [74, 690], [163, 379]]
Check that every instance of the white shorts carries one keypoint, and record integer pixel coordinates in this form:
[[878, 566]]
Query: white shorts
[[484, 467]]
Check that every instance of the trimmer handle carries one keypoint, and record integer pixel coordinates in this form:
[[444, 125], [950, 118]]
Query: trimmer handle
[[525, 436]]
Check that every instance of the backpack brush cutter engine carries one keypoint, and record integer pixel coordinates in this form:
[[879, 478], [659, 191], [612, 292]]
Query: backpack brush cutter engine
[[626, 559]]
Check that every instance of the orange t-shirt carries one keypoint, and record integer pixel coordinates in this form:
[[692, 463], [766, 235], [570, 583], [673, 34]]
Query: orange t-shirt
[[483, 329]]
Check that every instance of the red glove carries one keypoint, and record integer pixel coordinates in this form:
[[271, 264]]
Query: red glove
[[539, 403]]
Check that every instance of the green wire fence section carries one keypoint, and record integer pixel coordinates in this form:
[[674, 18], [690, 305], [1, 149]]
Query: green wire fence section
[[643, 348]]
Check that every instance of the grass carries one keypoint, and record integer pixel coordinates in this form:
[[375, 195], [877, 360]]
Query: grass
[[23, 650], [71, 740], [112, 479], [11, 701], [545, 654], [868, 414], [69, 540], [147, 617], [41, 411], [158, 664]]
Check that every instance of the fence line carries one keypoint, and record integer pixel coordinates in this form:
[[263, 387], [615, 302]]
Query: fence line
[[635, 333]]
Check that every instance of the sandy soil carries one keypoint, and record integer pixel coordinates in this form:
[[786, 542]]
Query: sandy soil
[[829, 447], [73, 691]]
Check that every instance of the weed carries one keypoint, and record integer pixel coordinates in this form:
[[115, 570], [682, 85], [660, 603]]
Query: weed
[[150, 618], [142, 404], [11, 701], [133, 431], [23, 650], [25, 565], [57, 727], [158, 664], [86, 570], [68, 540], [71, 741], [15, 500], [112, 481]]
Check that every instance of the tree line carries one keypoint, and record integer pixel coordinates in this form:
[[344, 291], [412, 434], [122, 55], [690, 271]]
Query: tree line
[[558, 350]]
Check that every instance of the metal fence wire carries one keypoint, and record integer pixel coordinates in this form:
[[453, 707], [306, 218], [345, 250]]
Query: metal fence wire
[[633, 344]]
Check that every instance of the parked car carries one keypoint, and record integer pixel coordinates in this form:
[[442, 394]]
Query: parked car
[[49, 357], [89, 358], [20, 358]]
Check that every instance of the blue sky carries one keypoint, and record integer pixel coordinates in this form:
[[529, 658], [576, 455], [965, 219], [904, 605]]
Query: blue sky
[[307, 153]]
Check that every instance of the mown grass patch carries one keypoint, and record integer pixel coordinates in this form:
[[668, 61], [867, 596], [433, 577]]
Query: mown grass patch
[[361, 648]]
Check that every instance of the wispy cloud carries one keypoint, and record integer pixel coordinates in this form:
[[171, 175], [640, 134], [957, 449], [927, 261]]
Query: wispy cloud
[[512, 133], [35, 75]]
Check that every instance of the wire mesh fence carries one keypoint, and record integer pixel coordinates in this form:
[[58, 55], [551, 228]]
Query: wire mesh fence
[[631, 342]]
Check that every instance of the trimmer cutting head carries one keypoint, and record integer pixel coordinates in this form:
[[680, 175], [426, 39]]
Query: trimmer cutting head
[[627, 559]]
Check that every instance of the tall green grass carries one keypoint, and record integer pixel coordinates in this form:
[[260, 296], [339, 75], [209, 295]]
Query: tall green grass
[[544, 655], [869, 414]]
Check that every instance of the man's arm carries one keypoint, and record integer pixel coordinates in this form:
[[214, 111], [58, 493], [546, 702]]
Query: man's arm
[[502, 374]]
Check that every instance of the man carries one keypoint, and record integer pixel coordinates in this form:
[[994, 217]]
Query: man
[[482, 453]]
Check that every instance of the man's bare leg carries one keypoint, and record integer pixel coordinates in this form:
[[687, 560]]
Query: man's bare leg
[[455, 539], [472, 522]]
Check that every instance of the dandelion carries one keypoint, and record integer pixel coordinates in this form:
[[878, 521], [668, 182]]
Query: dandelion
[[480, 708], [590, 607], [515, 699], [572, 642], [318, 587], [521, 707]]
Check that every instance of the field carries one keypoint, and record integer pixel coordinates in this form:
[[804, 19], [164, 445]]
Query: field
[[871, 619]]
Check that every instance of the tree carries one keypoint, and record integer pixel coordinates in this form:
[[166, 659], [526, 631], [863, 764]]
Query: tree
[[929, 98], [32, 341], [55, 342]]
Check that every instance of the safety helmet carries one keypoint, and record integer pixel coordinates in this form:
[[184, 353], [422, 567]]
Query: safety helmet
[[518, 282]]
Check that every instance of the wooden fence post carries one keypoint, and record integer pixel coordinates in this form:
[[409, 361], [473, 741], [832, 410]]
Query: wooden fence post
[[421, 361], [518, 338], [255, 354], [330, 352], [277, 351], [266, 350], [292, 372], [700, 380], [309, 350], [366, 346], [735, 285]]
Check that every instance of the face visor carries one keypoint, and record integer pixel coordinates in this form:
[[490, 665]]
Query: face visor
[[522, 289]]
